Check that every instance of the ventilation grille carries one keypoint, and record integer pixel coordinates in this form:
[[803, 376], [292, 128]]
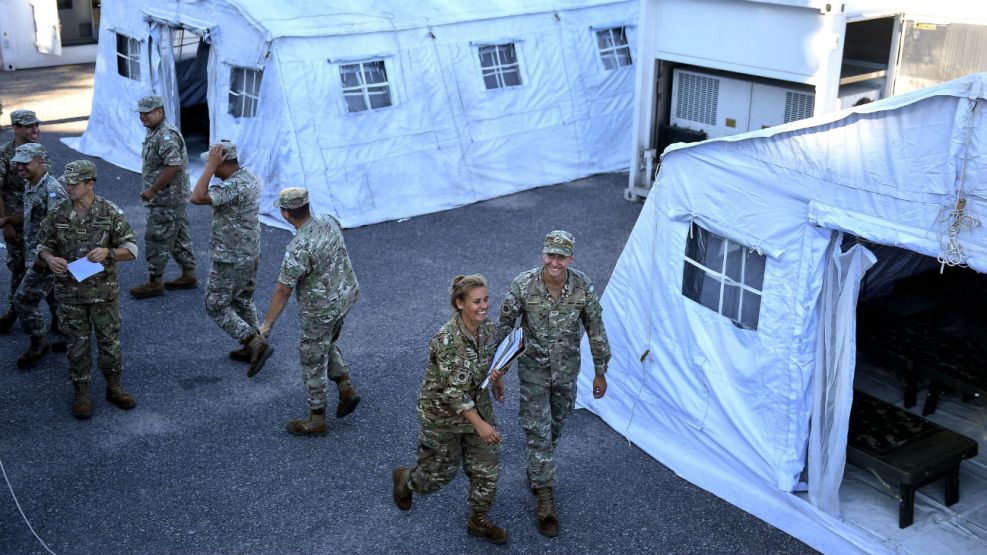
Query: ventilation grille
[[697, 98], [798, 106]]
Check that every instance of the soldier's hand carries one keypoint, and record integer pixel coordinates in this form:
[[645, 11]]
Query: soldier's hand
[[98, 254], [58, 265], [496, 375], [264, 331], [148, 194], [217, 155], [599, 387], [497, 388], [489, 434]]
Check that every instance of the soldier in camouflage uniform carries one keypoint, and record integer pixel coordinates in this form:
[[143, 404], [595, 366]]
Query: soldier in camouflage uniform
[[41, 194], [234, 246], [166, 191], [552, 300], [92, 227], [455, 414], [27, 129], [317, 266]]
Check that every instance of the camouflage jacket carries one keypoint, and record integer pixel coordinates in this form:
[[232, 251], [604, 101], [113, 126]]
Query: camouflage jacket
[[71, 238], [165, 146], [457, 365], [235, 225], [11, 184], [39, 199], [551, 328], [317, 266]]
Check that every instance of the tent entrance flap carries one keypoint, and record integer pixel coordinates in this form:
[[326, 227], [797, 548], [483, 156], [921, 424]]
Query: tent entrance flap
[[180, 74]]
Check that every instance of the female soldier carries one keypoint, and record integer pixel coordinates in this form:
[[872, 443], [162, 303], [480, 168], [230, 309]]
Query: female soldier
[[455, 413]]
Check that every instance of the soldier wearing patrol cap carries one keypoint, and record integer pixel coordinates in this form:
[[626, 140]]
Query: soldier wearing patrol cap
[[317, 267], [91, 227], [164, 174], [234, 246], [27, 129], [551, 301], [42, 193]]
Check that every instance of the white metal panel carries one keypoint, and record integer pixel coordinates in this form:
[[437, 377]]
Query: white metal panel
[[715, 104], [47, 27], [773, 105]]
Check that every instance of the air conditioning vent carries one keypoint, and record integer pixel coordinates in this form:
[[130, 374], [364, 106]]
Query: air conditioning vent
[[798, 106], [697, 98]]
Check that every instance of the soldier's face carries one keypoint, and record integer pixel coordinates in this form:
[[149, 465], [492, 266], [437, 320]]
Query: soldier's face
[[30, 170], [80, 190], [474, 307], [27, 133], [152, 118], [556, 265]]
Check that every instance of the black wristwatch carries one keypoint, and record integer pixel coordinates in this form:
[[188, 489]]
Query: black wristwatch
[[110, 255]]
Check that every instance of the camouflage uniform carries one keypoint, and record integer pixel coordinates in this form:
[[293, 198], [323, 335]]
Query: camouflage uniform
[[550, 364], [12, 190], [167, 232], [235, 249], [317, 266], [457, 365], [92, 304], [39, 200]]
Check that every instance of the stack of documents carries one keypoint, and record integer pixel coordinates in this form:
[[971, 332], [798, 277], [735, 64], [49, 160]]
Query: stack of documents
[[510, 348]]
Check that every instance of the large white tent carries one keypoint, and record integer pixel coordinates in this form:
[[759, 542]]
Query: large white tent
[[720, 363], [383, 110]]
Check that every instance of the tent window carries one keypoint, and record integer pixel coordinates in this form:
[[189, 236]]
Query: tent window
[[365, 86], [723, 276], [244, 91], [128, 57], [614, 50], [500, 66]]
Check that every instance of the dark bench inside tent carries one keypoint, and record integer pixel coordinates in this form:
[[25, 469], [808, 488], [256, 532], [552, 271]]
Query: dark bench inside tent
[[905, 450]]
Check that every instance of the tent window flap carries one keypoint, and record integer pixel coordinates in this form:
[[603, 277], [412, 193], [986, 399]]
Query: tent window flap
[[614, 50], [365, 86], [500, 66], [128, 57], [244, 91], [724, 276]]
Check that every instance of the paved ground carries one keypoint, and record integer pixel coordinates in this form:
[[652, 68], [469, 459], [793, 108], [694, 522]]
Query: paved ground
[[203, 465]]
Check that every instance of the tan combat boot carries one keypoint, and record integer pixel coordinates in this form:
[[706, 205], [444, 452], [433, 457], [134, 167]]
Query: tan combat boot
[[402, 493], [116, 394], [152, 288], [260, 351], [82, 405], [7, 321], [37, 351], [548, 523], [240, 355], [314, 425], [185, 281], [479, 525], [348, 397]]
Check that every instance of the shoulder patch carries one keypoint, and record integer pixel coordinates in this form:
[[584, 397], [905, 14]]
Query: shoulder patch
[[461, 377]]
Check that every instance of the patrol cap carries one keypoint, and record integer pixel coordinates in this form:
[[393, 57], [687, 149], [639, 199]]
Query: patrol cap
[[79, 171], [229, 148], [559, 242], [28, 152], [292, 197], [24, 117], [148, 103]]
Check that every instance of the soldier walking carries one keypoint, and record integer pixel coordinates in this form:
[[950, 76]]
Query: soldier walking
[[27, 129], [235, 249], [317, 267], [42, 193], [455, 415], [551, 301], [166, 192], [91, 227]]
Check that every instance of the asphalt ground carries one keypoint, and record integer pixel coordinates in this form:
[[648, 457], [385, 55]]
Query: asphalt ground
[[203, 464]]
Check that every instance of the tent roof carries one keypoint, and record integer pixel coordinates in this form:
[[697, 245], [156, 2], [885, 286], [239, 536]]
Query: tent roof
[[341, 17]]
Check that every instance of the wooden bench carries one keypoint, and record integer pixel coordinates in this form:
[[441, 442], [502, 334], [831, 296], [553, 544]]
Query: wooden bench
[[905, 450]]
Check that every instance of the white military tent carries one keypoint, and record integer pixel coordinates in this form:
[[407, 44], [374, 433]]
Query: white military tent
[[383, 110], [720, 362]]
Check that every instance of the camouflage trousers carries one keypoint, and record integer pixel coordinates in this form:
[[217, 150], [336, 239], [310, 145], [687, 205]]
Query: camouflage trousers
[[16, 265], [36, 285], [230, 298], [438, 458], [321, 360], [544, 407], [78, 322], [167, 236]]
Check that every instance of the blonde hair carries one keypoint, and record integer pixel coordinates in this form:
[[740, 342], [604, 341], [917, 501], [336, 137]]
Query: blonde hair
[[462, 285]]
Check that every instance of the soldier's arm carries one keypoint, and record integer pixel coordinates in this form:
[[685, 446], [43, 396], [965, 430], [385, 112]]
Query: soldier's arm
[[510, 309], [122, 242], [592, 318], [164, 179], [292, 269], [200, 193], [46, 246]]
